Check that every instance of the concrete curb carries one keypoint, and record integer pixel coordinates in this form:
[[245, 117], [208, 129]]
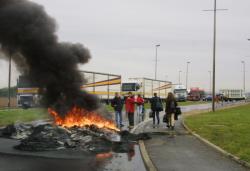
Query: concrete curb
[[146, 159], [220, 150], [145, 156]]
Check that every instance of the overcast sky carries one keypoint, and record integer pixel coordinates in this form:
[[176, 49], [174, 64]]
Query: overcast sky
[[122, 34]]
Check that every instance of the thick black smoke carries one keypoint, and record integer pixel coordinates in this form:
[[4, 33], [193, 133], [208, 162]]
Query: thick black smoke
[[29, 34]]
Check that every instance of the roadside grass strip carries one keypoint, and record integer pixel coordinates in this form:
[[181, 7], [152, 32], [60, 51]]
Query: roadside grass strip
[[9, 116], [228, 129]]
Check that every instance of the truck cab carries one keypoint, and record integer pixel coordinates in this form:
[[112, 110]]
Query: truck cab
[[180, 92]]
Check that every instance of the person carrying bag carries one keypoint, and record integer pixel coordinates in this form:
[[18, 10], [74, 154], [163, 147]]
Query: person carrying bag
[[156, 107], [171, 108]]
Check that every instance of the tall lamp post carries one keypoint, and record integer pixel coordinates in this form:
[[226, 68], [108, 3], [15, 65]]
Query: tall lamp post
[[156, 60], [180, 77], [244, 76], [187, 75]]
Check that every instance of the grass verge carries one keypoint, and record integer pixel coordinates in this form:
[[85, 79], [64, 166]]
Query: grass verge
[[9, 116], [228, 129]]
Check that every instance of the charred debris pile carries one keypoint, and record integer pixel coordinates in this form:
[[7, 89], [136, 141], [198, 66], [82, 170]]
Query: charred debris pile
[[49, 137]]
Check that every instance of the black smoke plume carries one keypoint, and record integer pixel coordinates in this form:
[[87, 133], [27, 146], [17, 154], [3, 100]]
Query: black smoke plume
[[28, 33]]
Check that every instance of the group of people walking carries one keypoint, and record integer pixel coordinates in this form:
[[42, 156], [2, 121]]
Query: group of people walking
[[133, 103], [170, 109]]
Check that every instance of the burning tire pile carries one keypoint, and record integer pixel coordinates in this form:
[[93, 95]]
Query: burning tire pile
[[49, 137]]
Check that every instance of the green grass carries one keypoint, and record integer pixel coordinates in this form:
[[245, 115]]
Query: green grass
[[22, 115], [228, 129]]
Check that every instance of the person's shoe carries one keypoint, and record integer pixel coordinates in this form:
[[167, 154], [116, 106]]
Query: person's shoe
[[168, 126], [172, 127], [121, 125]]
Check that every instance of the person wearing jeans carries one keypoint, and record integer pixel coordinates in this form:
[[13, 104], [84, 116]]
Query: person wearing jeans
[[156, 107], [117, 104]]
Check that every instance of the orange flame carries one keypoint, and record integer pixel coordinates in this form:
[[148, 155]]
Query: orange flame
[[103, 156], [81, 117]]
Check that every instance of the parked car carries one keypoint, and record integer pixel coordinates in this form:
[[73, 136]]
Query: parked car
[[207, 98]]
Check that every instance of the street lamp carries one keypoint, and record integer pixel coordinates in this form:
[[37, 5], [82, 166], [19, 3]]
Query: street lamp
[[187, 75], [244, 76], [156, 60], [180, 77]]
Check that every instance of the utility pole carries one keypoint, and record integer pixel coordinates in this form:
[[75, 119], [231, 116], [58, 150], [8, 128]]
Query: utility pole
[[156, 60], [180, 77], [187, 76], [210, 79], [214, 52], [9, 83], [244, 76]]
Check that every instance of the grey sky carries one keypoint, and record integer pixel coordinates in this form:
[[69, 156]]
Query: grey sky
[[122, 34]]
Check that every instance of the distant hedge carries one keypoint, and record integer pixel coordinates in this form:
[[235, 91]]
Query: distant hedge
[[4, 92]]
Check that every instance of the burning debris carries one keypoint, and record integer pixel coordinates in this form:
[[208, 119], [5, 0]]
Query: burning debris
[[81, 117], [47, 137]]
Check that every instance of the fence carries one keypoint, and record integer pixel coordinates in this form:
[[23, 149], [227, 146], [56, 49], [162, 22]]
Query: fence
[[4, 102]]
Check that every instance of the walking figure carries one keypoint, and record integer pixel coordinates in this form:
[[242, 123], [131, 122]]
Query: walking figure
[[156, 107], [171, 105]]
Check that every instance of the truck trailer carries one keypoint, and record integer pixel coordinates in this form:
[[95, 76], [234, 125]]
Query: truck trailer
[[232, 94]]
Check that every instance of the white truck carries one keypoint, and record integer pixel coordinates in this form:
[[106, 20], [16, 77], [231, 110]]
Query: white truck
[[180, 92], [146, 87], [232, 94]]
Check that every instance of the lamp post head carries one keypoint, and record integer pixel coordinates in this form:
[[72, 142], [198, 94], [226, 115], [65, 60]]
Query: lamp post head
[[157, 45], [243, 62]]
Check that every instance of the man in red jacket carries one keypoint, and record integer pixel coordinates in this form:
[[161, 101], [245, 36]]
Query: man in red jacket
[[130, 109]]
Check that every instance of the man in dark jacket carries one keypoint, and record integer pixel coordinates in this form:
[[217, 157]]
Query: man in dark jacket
[[156, 107], [117, 104]]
